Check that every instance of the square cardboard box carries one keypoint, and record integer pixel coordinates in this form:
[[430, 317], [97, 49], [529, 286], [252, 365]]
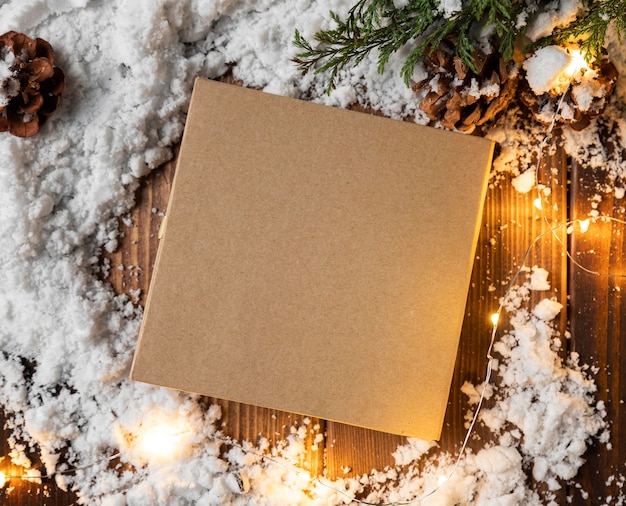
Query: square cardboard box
[[315, 260]]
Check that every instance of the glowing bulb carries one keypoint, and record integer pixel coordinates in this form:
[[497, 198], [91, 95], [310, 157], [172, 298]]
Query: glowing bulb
[[157, 441], [162, 439], [576, 64], [495, 317], [584, 225], [537, 203], [305, 476], [441, 480], [3, 479]]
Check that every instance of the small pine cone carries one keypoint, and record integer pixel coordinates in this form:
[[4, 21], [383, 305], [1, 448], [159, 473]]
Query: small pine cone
[[462, 99], [30, 84], [585, 99]]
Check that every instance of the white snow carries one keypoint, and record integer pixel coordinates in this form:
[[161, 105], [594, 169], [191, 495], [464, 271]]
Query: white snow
[[556, 14], [525, 182], [9, 85], [546, 70], [547, 309], [449, 7], [539, 279]]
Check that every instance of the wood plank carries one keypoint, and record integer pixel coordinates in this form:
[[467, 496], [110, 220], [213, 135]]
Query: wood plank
[[19, 492], [131, 265], [598, 310]]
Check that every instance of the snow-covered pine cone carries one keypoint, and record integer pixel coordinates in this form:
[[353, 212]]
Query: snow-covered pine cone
[[585, 98], [462, 99], [30, 84]]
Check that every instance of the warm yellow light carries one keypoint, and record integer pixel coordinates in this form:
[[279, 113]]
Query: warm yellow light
[[3, 479], [495, 317], [162, 439], [442, 479], [584, 225], [537, 203], [157, 441], [577, 63], [305, 476]]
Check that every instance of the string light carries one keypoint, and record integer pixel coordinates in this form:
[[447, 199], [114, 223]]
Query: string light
[[578, 64], [584, 225], [161, 439], [495, 318], [573, 66]]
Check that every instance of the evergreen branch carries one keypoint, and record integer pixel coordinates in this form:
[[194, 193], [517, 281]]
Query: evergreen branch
[[590, 28], [371, 24], [380, 25]]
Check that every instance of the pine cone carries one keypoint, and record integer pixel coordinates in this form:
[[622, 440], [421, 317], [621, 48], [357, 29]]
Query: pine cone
[[458, 97], [30, 84], [585, 99]]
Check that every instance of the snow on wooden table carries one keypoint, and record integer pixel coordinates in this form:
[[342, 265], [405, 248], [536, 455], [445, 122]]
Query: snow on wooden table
[[510, 225]]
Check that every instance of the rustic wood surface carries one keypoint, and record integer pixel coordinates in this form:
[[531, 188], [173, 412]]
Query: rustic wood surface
[[597, 309], [510, 224]]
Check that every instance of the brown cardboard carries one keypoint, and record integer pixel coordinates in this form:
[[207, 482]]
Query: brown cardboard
[[315, 260]]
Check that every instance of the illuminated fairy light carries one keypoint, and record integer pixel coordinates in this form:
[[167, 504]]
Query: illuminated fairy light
[[537, 203], [161, 438], [32, 475], [495, 318], [578, 64], [304, 479], [569, 226], [584, 225], [442, 480], [157, 441], [573, 69]]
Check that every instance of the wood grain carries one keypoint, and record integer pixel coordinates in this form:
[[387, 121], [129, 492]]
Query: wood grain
[[598, 309], [20, 492]]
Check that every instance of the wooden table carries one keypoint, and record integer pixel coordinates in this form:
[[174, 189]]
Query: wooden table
[[510, 224]]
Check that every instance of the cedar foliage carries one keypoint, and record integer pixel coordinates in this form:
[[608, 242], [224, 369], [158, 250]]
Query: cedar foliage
[[382, 25], [590, 27]]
